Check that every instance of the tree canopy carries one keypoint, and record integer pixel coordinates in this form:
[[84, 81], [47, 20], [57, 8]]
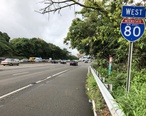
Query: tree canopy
[[98, 32], [31, 47]]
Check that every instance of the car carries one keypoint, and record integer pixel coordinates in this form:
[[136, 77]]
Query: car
[[54, 61], [10, 62], [2, 58], [86, 61], [38, 59], [24, 60], [63, 62], [73, 63]]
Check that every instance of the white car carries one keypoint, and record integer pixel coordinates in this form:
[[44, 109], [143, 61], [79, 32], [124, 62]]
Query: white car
[[38, 59], [10, 62]]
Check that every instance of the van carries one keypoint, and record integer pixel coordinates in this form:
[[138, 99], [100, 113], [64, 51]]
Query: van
[[31, 59]]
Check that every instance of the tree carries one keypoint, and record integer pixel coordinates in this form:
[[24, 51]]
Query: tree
[[36, 47], [98, 34], [5, 47], [56, 52], [21, 47], [97, 27], [40, 47], [54, 6], [83, 34]]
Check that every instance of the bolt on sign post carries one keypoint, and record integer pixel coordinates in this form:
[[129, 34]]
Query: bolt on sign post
[[132, 28], [110, 65]]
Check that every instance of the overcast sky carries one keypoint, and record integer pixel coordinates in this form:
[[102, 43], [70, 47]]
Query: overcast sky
[[19, 19]]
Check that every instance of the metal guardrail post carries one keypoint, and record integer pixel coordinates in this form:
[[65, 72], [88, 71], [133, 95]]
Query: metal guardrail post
[[110, 101]]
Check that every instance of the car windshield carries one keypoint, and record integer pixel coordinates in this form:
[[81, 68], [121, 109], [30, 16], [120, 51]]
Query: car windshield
[[8, 59]]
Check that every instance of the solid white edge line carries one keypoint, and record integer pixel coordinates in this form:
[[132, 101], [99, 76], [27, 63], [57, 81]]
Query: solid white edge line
[[8, 94]]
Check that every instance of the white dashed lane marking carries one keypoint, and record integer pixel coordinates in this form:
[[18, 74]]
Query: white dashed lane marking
[[30, 85]]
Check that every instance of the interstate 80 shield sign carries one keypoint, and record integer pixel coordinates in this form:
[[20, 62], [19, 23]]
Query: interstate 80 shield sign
[[132, 29]]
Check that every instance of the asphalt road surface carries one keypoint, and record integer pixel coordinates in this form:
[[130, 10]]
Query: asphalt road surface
[[44, 90]]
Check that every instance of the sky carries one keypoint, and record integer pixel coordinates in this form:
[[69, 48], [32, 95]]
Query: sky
[[18, 19]]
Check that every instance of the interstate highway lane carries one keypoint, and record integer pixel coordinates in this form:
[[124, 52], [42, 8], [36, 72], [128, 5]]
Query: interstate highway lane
[[44, 90]]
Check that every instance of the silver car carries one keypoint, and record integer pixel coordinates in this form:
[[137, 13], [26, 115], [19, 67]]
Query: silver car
[[10, 62]]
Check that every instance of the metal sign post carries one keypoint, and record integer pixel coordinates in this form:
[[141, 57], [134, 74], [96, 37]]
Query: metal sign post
[[129, 66], [132, 29]]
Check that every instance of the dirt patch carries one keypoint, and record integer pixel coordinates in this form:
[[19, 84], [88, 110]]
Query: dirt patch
[[104, 111]]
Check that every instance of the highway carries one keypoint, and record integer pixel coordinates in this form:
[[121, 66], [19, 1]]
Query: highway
[[44, 89]]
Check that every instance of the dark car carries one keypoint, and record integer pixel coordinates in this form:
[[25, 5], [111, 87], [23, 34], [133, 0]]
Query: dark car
[[86, 61], [74, 63], [54, 61], [2, 58]]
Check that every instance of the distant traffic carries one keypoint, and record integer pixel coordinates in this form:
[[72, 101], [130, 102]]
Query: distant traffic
[[16, 61]]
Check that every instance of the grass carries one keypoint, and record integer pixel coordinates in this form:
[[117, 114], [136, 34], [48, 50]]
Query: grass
[[93, 93]]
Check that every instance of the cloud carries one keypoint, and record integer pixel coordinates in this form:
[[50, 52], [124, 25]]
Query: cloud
[[19, 19]]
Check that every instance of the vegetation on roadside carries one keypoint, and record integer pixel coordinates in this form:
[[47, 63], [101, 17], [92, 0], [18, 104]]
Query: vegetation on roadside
[[132, 103], [93, 93]]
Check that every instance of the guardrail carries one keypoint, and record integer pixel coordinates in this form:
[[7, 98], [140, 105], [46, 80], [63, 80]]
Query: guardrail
[[110, 101]]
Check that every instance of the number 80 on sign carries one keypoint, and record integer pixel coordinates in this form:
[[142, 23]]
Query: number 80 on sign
[[132, 29]]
